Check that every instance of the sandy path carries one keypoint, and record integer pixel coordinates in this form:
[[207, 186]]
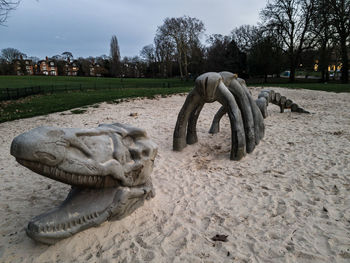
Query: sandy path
[[288, 201]]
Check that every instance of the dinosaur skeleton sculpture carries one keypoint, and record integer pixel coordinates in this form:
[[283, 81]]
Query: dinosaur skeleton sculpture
[[247, 124], [108, 167], [246, 114]]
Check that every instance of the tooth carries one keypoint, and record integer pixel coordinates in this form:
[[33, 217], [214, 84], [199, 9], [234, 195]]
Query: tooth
[[71, 177], [56, 173], [75, 179], [65, 175], [61, 174]]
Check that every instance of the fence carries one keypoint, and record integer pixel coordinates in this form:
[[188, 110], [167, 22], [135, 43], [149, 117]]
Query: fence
[[16, 93]]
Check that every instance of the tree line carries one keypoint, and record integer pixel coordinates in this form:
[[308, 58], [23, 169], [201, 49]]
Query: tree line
[[290, 35]]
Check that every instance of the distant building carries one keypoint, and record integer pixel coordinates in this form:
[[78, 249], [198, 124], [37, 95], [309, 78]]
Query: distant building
[[47, 67], [96, 70], [71, 68], [23, 67]]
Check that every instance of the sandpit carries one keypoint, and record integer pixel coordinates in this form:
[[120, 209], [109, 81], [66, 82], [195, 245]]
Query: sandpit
[[288, 201]]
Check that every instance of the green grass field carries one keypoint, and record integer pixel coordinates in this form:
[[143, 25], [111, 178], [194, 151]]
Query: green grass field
[[45, 104], [105, 89], [330, 87], [48, 81]]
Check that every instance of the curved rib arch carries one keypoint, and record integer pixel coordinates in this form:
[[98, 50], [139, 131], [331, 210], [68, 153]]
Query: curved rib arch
[[252, 118], [209, 88]]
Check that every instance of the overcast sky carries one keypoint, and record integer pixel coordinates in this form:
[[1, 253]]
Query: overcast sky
[[85, 27]]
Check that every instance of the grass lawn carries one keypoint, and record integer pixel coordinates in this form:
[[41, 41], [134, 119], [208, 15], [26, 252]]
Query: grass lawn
[[330, 87], [44, 104], [86, 82], [61, 101]]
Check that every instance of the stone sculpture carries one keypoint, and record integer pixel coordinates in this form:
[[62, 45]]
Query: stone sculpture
[[247, 125], [108, 167], [265, 97], [279, 100]]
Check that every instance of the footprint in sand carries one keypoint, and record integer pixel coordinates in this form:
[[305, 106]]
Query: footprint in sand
[[280, 208]]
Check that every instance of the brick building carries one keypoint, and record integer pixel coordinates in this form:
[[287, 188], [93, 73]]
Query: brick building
[[24, 67], [47, 67]]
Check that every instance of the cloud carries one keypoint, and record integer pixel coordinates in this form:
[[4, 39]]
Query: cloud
[[85, 27]]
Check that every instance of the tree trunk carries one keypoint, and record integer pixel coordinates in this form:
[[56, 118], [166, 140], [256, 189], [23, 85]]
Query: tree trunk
[[180, 68], [180, 59], [292, 73], [345, 62], [323, 66], [293, 63]]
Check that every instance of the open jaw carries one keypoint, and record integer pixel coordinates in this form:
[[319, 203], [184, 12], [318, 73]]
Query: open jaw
[[82, 180], [92, 200], [85, 208]]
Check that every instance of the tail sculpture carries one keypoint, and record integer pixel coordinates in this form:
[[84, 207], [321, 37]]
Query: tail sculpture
[[270, 96], [265, 97]]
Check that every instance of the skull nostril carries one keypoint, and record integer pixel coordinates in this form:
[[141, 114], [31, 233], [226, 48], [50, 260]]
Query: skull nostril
[[45, 156], [145, 152]]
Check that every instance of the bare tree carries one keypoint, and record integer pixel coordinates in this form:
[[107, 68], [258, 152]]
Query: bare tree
[[340, 18], [11, 54], [67, 55], [184, 32], [290, 21], [245, 36], [165, 52], [149, 56], [5, 7], [148, 53], [115, 57], [322, 28], [223, 54]]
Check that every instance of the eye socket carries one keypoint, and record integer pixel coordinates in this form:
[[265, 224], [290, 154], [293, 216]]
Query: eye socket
[[135, 154], [45, 156]]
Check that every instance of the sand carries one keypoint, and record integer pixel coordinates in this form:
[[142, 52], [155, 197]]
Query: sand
[[288, 201]]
